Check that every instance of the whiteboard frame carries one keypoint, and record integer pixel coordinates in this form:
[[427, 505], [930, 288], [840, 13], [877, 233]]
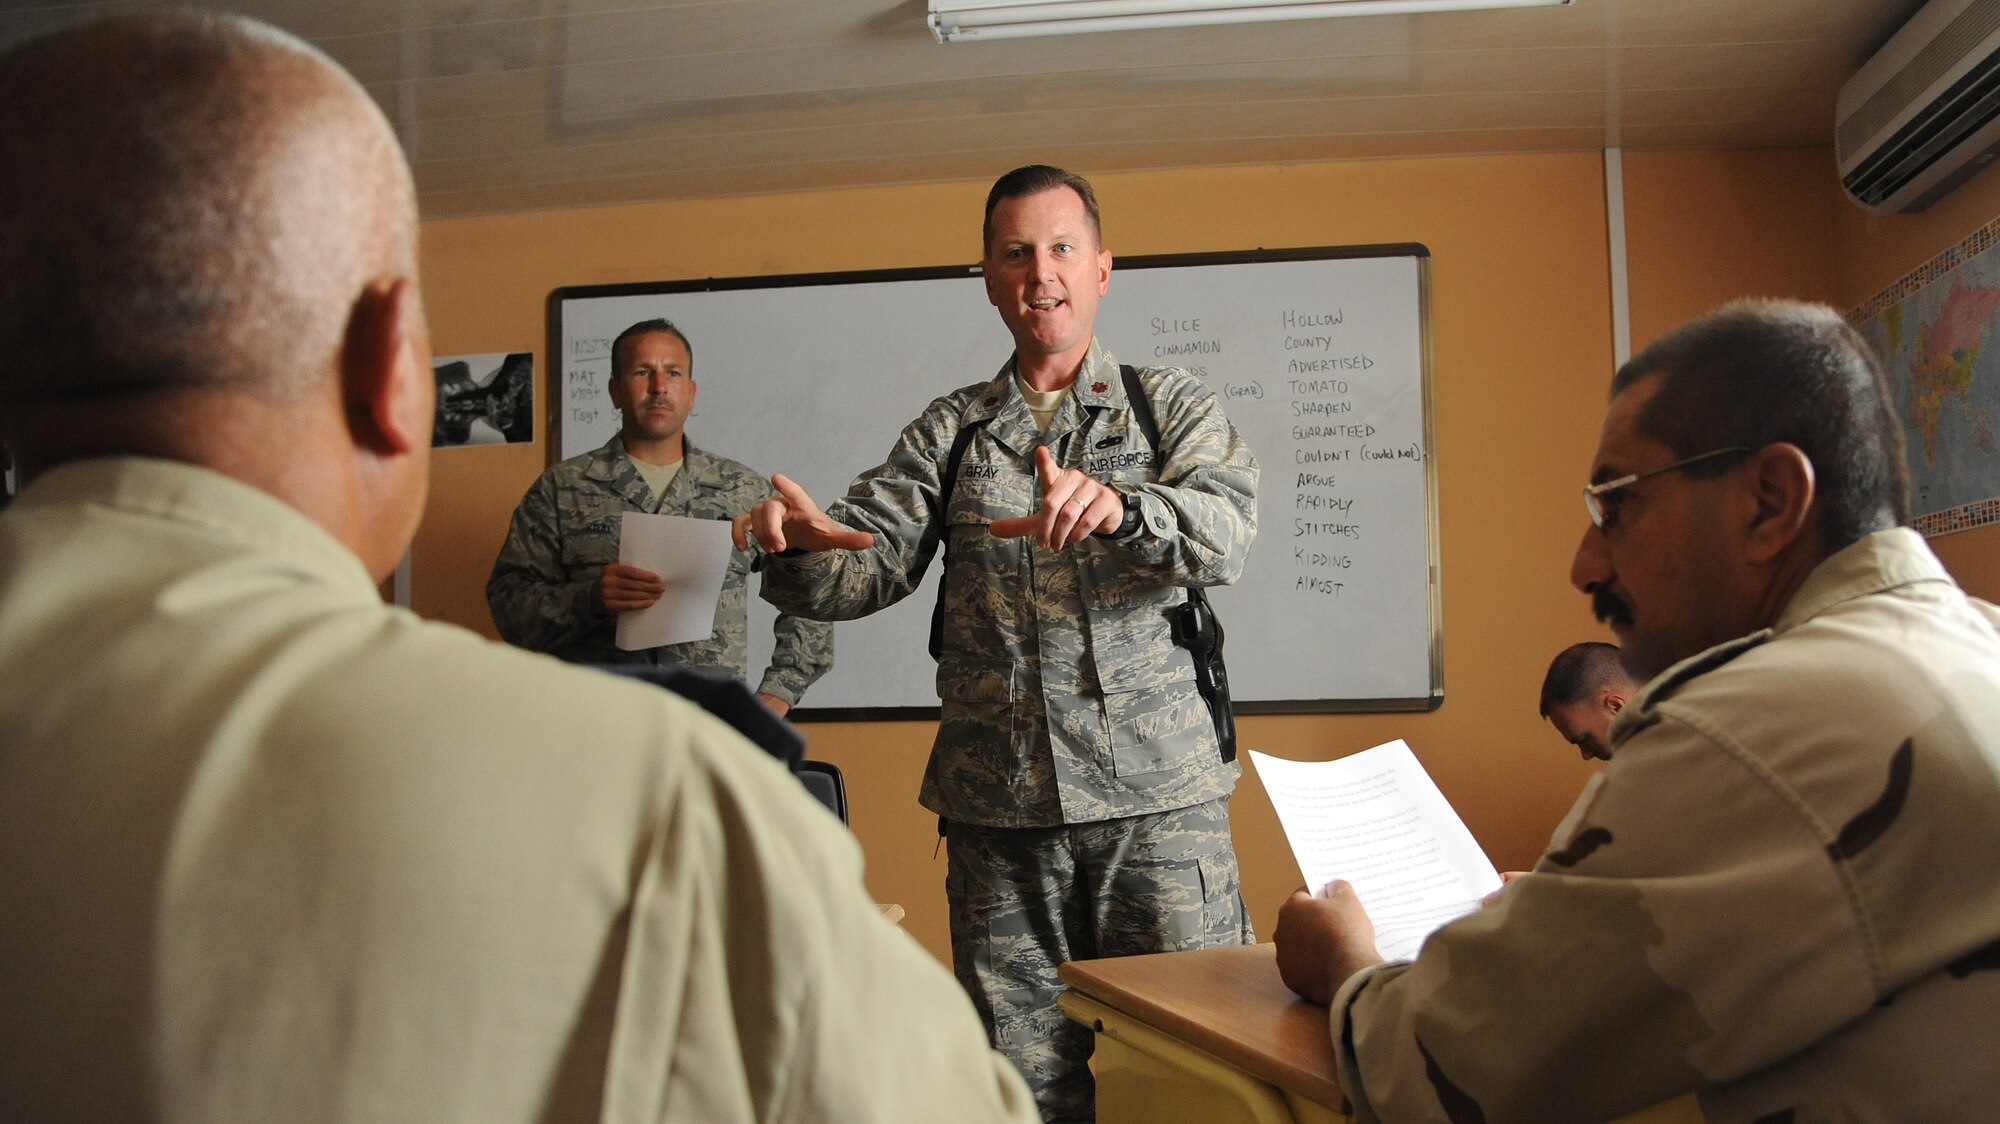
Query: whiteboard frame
[[555, 374]]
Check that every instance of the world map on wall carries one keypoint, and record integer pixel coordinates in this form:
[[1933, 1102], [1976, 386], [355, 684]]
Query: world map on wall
[[1938, 333]]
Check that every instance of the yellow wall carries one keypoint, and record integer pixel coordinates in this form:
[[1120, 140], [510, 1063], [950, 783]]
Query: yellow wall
[[1705, 227], [1522, 345]]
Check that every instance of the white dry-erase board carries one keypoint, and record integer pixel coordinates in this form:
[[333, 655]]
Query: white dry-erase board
[[1321, 357]]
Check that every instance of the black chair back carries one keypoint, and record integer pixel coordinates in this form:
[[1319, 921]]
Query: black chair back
[[731, 701]]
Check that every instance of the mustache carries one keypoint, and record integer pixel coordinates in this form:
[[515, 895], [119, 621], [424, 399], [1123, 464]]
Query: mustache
[[1606, 606]]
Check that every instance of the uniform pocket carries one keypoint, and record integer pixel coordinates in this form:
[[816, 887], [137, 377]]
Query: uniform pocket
[[1223, 920], [1131, 625], [975, 681], [976, 730], [1111, 582], [1162, 727]]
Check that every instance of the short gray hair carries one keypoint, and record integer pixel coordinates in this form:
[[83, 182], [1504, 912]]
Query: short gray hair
[[1758, 372]]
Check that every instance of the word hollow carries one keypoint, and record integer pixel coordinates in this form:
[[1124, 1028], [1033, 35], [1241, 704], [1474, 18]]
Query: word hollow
[[1297, 318]]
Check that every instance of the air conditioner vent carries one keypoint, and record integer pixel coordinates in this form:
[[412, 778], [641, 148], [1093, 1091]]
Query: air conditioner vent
[[1969, 106], [1923, 114], [1961, 37]]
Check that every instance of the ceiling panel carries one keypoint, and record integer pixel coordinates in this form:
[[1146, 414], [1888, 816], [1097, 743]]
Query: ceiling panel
[[527, 104]]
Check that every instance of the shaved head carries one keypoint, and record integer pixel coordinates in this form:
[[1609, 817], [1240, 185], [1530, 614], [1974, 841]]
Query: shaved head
[[187, 200], [207, 254], [1584, 690], [1583, 671]]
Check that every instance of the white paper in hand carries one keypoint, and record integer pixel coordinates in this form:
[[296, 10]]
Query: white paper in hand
[[691, 556], [1376, 819]]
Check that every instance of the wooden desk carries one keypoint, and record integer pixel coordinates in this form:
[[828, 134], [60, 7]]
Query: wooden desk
[[1216, 1037], [1212, 1036]]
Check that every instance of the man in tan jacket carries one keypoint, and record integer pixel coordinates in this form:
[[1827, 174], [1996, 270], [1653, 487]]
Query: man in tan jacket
[[275, 851], [1783, 891]]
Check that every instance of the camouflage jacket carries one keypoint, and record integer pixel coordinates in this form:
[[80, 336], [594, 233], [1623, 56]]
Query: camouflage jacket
[[1783, 891], [566, 531], [1065, 699]]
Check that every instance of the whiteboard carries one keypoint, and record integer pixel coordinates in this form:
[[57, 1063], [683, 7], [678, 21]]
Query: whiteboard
[[1321, 357]]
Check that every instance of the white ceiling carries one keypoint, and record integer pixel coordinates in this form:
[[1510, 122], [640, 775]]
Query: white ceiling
[[509, 105]]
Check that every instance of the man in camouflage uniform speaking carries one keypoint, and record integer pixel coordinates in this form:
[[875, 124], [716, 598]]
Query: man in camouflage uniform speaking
[[1076, 769], [1782, 893], [558, 586]]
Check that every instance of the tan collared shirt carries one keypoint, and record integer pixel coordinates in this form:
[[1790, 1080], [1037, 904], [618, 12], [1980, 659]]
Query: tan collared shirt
[[274, 851]]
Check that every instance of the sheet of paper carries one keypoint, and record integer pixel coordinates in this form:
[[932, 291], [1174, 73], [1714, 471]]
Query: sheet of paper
[[1376, 819], [691, 556]]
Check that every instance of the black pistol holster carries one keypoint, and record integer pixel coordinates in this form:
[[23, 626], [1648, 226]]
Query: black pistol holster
[[1196, 628]]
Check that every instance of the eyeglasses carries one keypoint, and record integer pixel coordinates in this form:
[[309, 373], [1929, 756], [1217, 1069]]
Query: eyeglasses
[[1601, 513]]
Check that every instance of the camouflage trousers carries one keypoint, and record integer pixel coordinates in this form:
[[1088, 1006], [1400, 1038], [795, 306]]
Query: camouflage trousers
[[1024, 900]]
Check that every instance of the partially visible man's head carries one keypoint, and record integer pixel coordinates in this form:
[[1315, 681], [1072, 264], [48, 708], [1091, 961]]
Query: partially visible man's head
[[1584, 690], [1739, 451], [207, 253], [621, 346], [187, 200]]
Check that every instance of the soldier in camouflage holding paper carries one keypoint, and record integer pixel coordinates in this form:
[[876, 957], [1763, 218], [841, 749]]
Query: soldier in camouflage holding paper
[[1782, 893], [1076, 769], [558, 586]]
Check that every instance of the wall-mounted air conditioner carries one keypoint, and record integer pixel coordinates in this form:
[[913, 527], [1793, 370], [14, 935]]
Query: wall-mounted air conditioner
[[1923, 114]]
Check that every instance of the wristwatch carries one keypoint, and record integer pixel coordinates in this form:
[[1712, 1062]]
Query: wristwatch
[[1130, 524]]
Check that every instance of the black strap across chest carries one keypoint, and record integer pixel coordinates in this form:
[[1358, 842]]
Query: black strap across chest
[[1142, 416], [1193, 624]]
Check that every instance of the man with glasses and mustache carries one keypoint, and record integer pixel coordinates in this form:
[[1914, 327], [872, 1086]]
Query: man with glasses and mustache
[[1783, 891]]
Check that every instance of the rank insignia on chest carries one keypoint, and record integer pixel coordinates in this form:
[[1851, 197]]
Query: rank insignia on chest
[[1099, 388]]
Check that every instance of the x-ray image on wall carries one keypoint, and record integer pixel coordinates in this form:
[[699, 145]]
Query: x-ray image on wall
[[484, 399]]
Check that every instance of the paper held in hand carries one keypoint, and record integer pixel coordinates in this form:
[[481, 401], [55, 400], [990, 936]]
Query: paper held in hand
[[1376, 819], [691, 556]]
